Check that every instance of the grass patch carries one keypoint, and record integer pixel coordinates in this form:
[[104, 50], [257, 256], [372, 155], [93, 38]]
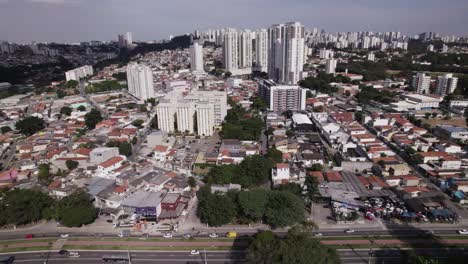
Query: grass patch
[[7, 250], [9, 242], [150, 239]]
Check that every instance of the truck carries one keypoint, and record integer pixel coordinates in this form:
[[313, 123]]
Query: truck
[[231, 234]]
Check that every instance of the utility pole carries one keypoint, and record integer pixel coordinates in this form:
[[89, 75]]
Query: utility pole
[[205, 260], [371, 252], [129, 256]]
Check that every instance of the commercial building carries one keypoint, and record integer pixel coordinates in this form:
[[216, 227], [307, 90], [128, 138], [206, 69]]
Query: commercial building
[[451, 132], [421, 82], [286, 58], [79, 73], [446, 84], [282, 97], [140, 81], [196, 57], [416, 102], [330, 66]]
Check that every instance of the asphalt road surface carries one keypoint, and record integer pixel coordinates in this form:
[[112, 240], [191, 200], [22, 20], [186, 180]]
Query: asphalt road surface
[[92, 257], [390, 256]]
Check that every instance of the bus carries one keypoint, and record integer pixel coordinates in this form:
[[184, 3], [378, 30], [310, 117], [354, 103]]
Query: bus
[[7, 259], [115, 258]]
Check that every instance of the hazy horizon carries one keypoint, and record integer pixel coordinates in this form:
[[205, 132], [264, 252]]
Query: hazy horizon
[[71, 21]]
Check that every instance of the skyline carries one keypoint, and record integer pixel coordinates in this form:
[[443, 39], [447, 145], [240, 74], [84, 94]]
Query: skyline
[[84, 20]]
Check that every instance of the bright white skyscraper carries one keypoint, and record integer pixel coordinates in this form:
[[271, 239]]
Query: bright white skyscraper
[[231, 50], [196, 57], [245, 49], [261, 50], [330, 66], [286, 59], [140, 81]]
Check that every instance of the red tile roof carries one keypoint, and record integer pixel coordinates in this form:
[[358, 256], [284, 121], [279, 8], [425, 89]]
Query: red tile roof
[[111, 161]]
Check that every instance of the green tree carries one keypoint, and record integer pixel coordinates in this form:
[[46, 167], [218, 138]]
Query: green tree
[[72, 164], [317, 167], [216, 210], [81, 108], [138, 123], [23, 206], [191, 182], [5, 129], [311, 188], [71, 84], [227, 74], [291, 187], [92, 118], [427, 115], [66, 110], [252, 203], [76, 210], [121, 76], [60, 93], [125, 148], [283, 209], [275, 155], [263, 248], [30, 125], [44, 173]]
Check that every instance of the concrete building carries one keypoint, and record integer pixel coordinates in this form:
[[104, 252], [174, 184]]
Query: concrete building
[[371, 56], [421, 82], [231, 50], [196, 57], [326, 54], [282, 97], [140, 81], [330, 66], [125, 40], [286, 58], [79, 73], [208, 108], [446, 84], [99, 155], [261, 50], [245, 49], [451, 132]]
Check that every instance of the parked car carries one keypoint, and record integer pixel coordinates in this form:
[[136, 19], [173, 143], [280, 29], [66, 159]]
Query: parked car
[[63, 252], [349, 231], [463, 232], [74, 254], [168, 235], [187, 236], [318, 234], [194, 252], [213, 235], [64, 235], [29, 236]]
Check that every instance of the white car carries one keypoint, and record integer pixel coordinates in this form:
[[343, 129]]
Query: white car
[[463, 232], [64, 235], [194, 252], [214, 235], [349, 231], [318, 234], [74, 254], [168, 235]]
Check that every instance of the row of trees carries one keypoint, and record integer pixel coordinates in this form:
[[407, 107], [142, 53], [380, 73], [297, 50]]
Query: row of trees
[[20, 207], [321, 82], [107, 85], [275, 208], [369, 93]]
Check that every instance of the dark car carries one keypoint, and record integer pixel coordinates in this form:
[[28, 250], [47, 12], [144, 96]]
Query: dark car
[[63, 252]]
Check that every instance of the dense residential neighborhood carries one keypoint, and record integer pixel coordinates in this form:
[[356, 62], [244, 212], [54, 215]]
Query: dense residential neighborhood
[[266, 142]]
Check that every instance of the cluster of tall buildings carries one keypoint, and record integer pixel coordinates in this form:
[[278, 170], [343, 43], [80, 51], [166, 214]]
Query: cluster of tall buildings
[[444, 85], [279, 51], [125, 40], [79, 73], [140, 81], [198, 112]]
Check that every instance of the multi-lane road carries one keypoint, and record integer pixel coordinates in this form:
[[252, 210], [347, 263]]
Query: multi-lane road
[[93, 257]]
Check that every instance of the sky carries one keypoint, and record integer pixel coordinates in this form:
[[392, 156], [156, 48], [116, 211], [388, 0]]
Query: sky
[[84, 20]]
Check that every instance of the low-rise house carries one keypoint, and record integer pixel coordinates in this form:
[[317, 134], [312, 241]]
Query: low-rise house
[[107, 168], [280, 174]]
